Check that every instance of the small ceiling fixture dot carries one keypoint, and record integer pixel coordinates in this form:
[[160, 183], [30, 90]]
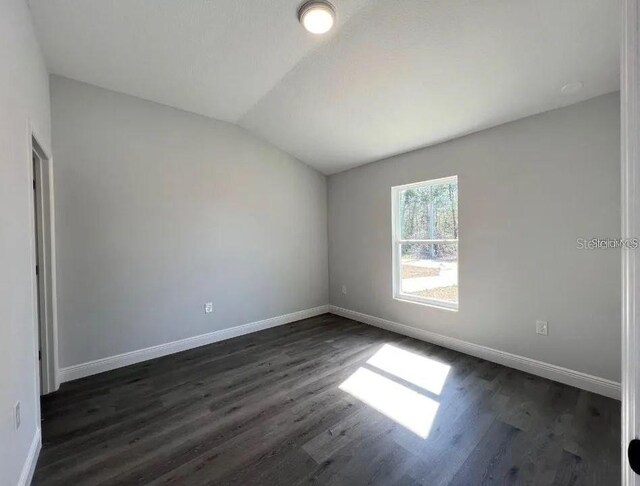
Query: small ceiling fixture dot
[[572, 88], [317, 16]]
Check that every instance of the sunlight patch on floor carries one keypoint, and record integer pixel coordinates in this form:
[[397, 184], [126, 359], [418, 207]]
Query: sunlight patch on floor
[[419, 370], [401, 404]]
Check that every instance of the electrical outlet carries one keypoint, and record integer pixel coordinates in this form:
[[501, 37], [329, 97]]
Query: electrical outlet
[[344, 289], [542, 327], [208, 308], [17, 415]]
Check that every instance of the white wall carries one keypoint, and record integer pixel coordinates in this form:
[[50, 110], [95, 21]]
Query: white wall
[[24, 98], [159, 211], [527, 190]]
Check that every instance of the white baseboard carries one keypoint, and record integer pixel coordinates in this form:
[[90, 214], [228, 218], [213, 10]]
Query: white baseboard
[[112, 362], [578, 379], [29, 466]]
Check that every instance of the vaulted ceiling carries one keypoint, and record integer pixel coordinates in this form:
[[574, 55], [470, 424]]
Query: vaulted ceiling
[[392, 76]]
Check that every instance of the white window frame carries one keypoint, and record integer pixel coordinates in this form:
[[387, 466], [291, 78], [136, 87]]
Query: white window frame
[[397, 241]]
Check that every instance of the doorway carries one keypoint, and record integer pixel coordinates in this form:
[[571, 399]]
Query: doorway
[[44, 268]]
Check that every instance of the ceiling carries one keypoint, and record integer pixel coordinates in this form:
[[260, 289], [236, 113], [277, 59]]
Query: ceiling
[[392, 76]]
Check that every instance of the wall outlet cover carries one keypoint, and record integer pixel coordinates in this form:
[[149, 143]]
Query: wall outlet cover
[[208, 308], [344, 289], [542, 327], [17, 415]]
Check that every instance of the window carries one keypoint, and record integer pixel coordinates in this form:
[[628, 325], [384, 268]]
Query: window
[[425, 242]]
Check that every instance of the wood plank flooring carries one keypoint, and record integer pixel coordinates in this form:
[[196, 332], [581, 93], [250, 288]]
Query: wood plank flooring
[[267, 409]]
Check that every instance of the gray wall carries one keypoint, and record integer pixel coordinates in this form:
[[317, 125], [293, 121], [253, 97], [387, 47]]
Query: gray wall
[[24, 99], [528, 190], [159, 211]]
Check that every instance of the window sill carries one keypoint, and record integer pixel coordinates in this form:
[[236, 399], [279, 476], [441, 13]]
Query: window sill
[[438, 304]]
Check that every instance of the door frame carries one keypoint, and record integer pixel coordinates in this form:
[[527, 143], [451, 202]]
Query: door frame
[[630, 185], [46, 313]]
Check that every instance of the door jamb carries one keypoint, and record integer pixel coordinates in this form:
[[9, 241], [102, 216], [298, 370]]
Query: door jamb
[[630, 184], [49, 346]]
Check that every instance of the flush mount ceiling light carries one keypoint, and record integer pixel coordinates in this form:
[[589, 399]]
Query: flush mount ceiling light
[[317, 16], [571, 88]]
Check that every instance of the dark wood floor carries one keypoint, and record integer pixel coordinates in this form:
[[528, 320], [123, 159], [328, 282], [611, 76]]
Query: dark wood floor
[[267, 408]]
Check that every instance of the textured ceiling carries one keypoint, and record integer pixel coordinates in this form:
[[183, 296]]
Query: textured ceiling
[[391, 77]]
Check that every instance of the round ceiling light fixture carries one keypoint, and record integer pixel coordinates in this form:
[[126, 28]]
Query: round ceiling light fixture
[[571, 88], [317, 16]]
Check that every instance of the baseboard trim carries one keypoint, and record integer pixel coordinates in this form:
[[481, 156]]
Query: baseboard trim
[[112, 362], [578, 379], [29, 466]]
